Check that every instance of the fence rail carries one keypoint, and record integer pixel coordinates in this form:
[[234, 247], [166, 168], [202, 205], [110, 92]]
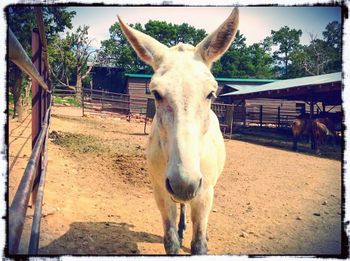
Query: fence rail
[[63, 92], [97, 100], [262, 115], [33, 179]]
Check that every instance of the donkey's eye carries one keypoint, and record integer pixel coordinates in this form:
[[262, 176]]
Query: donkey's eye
[[157, 95], [211, 95]]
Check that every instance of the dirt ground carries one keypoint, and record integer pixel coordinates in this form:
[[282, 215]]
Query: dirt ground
[[98, 198]]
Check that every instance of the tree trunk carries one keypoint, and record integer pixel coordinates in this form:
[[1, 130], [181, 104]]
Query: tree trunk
[[78, 87], [17, 99], [26, 99], [286, 64]]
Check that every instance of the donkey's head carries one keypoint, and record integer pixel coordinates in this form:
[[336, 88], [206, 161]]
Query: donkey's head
[[183, 87]]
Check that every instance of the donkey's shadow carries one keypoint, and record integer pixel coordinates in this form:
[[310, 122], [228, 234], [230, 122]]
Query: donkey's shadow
[[99, 238]]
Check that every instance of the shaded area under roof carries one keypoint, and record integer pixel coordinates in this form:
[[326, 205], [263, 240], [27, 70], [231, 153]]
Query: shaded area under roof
[[321, 88]]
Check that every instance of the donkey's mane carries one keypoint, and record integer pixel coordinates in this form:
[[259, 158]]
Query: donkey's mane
[[181, 47]]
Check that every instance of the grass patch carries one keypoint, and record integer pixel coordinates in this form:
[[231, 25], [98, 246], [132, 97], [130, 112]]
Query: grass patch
[[78, 142], [10, 98], [66, 100]]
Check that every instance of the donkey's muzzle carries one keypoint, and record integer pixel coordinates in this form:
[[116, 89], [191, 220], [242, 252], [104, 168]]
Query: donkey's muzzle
[[183, 190]]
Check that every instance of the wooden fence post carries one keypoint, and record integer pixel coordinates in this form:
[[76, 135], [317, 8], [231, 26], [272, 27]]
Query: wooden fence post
[[102, 99], [311, 141], [244, 116], [261, 115], [82, 100], [279, 117]]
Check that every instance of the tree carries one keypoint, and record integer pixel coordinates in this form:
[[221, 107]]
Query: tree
[[321, 55], [260, 61], [244, 61], [21, 20], [288, 41], [117, 51], [234, 62], [332, 35], [72, 55], [311, 58]]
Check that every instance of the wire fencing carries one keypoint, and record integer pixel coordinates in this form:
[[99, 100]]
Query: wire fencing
[[33, 179]]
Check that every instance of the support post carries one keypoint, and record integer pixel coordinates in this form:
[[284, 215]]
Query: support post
[[102, 99], [82, 100], [311, 141], [279, 117], [37, 109], [261, 115], [244, 116]]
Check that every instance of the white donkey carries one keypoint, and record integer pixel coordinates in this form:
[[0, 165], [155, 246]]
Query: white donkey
[[186, 151]]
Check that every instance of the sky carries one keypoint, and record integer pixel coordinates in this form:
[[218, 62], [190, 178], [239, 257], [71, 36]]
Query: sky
[[255, 22]]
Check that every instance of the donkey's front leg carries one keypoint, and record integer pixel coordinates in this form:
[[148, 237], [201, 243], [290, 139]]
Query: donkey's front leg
[[167, 209], [200, 209]]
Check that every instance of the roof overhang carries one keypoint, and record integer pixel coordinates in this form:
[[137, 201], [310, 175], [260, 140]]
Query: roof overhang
[[322, 88]]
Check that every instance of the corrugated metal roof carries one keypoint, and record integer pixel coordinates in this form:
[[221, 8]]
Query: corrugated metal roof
[[238, 87], [290, 83], [136, 75], [243, 80]]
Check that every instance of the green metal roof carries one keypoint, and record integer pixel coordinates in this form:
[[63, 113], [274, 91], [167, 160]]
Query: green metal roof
[[285, 84], [135, 75], [147, 76], [238, 87], [243, 80]]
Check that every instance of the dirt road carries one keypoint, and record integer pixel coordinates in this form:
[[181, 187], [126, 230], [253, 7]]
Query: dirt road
[[98, 198]]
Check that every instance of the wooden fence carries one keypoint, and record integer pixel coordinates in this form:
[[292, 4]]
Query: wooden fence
[[249, 115], [98, 101], [61, 91]]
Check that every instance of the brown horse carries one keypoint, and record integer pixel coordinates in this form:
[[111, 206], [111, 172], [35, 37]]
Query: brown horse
[[319, 129], [302, 125], [322, 128]]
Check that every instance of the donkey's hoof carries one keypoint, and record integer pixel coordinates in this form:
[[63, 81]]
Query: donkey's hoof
[[172, 245], [199, 247], [172, 248]]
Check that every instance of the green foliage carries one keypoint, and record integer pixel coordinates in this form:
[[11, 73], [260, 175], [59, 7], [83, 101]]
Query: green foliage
[[288, 60], [320, 56], [70, 56], [10, 98], [332, 35], [288, 41], [242, 61], [21, 20], [67, 100], [117, 51]]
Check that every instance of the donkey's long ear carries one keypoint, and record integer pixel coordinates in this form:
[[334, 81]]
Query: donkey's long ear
[[147, 48], [214, 45]]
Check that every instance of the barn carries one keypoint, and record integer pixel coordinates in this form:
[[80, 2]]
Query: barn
[[137, 86], [278, 102], [108, 78]]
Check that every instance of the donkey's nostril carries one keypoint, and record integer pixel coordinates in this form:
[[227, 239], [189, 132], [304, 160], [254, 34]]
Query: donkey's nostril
[[168, 187], [200, 184]]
